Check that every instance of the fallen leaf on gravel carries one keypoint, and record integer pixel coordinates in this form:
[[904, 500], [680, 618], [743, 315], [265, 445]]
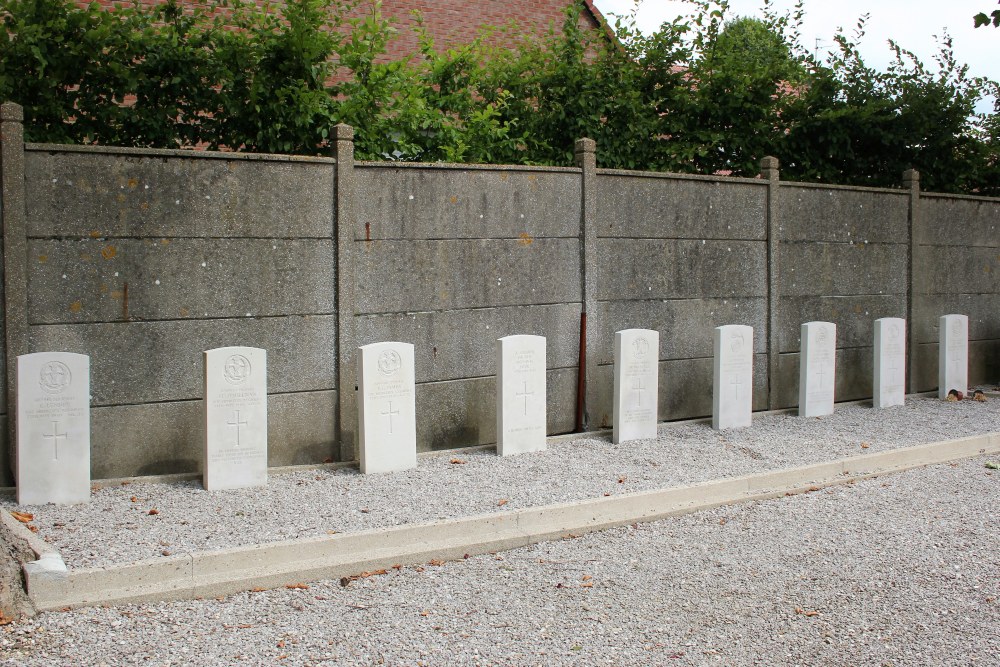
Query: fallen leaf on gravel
[[458, 462], [257, 590], [297, 587], [467, 556], [586, 577], [606, 493], [589, 584], [283, 656], [436, 562], [126, 483], [165, 552], [418, 569], [33, 529], [621, 480], [134, 499], [993, 466], [154, 512], [281, 644], [812, 488], [365, 510], [570, 536], [425, 612], [502, 502], [800, 610], [397, 566], [331, 532], [23, 517], [865, 445], [4, 620]]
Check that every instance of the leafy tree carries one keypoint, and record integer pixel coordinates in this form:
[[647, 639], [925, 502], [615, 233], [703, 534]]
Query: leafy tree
[[982, 19]]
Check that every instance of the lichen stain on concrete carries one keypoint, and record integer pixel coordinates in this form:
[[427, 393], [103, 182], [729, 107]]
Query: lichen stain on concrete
[[164, 241], [75, 307], [453, 199], [116, 295], [109, 252], [184, 312], [120, 197], [504, 176], [144, 206], [85, 257], [526, 239], [95, 234], [132, 183], [104, 288], [42, 259]]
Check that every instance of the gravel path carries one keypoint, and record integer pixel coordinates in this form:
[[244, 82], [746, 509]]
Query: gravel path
[[318, 502], [898, 570]]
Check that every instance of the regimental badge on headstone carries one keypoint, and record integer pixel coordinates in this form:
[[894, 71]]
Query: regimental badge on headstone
[[53, 428]]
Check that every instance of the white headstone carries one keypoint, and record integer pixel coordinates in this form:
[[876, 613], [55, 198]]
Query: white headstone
[[387, 422], [520, 394], [637, 374], [53, 428], [953, 354], [817, 368], [732, 377], [235, 418], [890, 362]]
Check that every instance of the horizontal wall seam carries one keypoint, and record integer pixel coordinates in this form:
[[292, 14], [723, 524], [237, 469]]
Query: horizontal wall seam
[[486, 377], [140, 320], [58, 237], [406, 313], [108, 406], [436, 239], [688, 239]]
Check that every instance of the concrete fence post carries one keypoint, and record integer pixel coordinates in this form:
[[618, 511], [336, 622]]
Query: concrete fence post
[[586, 160], [769, 171], [343, 151], [911, 181], [15, 241]]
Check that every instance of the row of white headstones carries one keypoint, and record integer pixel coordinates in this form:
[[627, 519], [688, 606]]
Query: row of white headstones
[[53, 400]]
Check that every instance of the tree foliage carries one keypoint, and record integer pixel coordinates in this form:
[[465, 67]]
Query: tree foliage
[[704, 93]]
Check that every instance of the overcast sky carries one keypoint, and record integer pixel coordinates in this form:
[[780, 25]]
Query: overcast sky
[[911, 23]]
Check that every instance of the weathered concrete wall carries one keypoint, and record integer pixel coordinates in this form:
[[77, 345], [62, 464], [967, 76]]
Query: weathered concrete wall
[[143, 260], [958, 251], [681, 255], [843, 259], [452, 258]]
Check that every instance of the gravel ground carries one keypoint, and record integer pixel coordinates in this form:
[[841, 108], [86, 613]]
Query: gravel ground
[[898, 570], [318, 502]]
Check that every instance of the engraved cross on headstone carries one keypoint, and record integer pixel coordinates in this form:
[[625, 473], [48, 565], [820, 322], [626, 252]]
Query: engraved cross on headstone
[[894, 367], [736, 383], [820, 374], [526, 394], [637, 386], [55, 435], [389, 413], [237, 422]]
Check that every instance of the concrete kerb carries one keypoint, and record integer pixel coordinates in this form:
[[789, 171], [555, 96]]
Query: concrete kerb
[[214, 573]]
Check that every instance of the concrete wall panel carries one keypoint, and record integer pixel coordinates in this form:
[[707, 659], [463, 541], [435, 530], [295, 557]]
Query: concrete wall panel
[[84, 280], [840, 268], [840, 215], [144, 362], [462, 343], [409, 276], [455, 203], [657, 207], [162, 194], [854, 315], [685, 325], [679, 269], [167, 438], [960, 221]]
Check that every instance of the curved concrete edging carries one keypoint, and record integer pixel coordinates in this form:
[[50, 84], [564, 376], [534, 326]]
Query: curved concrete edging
[[214, 573]]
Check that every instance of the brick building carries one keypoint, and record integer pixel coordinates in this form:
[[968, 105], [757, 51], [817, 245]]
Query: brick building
[[453, 22]]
